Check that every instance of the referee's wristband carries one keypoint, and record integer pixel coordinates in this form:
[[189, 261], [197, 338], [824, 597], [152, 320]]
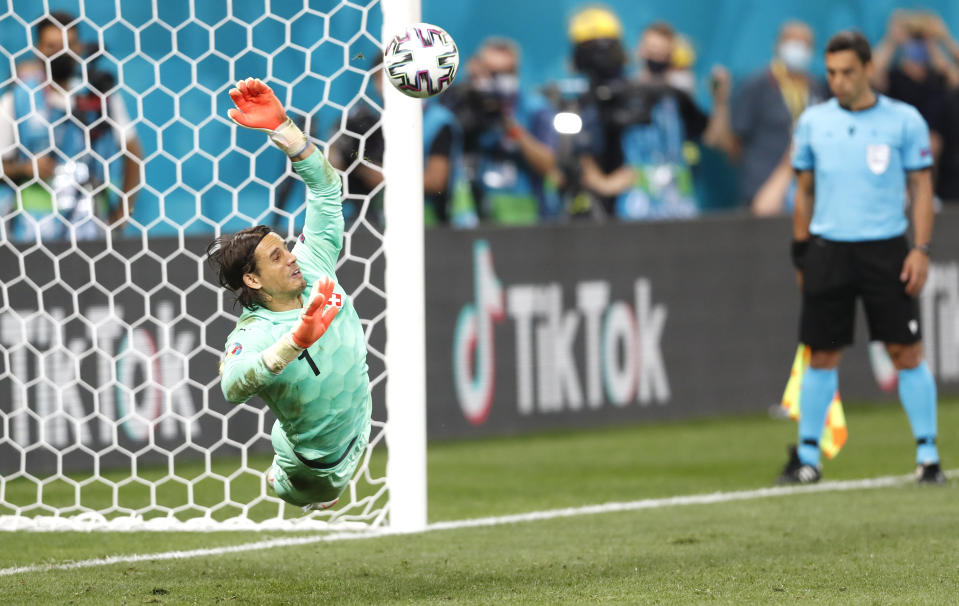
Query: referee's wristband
[[798, 252], [925, 249]]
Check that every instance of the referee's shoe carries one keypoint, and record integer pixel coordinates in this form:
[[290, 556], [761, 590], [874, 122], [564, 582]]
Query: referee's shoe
[[796, 472], [930, 473]]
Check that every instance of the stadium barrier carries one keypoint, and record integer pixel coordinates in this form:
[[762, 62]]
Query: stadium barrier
[[587, 325]]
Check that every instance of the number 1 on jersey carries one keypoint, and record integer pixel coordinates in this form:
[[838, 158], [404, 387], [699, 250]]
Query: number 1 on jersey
[[309, 360]]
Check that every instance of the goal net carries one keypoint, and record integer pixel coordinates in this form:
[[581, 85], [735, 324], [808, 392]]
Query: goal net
[[111, 414]]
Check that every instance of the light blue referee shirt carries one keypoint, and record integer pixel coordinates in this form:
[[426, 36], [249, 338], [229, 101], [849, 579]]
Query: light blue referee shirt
[[860, 160]]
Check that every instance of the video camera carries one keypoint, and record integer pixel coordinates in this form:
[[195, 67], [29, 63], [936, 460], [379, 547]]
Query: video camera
[[591, 116], [487, 101]]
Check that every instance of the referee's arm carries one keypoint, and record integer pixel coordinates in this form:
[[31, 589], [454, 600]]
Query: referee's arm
[[915, 269], [802, 216], [802, 207], [803, 161]]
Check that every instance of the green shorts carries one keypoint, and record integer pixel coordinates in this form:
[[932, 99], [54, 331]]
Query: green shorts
[[299, 484]]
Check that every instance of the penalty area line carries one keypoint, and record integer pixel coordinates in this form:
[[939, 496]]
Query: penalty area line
[[701, 499]]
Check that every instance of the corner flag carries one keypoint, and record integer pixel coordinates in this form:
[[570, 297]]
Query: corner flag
[[834, 434]]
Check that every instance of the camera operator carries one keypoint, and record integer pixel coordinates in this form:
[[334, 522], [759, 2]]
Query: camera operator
[[357, 149], [508, 138], [637, 129], [59, 189]]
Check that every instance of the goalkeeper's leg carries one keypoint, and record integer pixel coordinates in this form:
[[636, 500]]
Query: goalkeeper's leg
[[301, 485]]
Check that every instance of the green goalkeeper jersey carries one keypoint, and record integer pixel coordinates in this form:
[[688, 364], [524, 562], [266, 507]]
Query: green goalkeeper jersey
[[321, 399]]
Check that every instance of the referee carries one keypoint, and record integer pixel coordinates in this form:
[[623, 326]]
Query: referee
[[856, 157]]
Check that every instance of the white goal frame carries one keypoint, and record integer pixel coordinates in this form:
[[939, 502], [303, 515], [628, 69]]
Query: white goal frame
[[406, 288]]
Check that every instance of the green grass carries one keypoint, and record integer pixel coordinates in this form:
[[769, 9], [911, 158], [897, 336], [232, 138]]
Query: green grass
[[881, 546], [173, 490]]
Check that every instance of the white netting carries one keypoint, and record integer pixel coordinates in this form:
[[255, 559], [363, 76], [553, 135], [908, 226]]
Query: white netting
[[110, 407]]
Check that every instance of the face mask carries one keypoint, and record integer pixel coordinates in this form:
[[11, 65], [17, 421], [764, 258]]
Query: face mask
[[506, 84], [795, 55], [62, 67], [601, 59], [656, 67]]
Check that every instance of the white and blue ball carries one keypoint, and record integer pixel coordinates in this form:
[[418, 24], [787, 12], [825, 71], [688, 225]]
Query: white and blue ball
[[421, 61]]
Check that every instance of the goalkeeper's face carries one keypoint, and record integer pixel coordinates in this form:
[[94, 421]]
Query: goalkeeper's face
[[277, 274]]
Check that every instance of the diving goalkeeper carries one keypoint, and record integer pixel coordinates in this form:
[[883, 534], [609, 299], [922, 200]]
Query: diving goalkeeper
[[298, 343]]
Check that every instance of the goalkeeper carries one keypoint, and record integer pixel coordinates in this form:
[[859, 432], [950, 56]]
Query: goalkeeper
[[299, 343]]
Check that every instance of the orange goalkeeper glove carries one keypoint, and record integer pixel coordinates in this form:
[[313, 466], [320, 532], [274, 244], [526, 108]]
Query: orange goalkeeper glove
[[257, 107], [314, 320]]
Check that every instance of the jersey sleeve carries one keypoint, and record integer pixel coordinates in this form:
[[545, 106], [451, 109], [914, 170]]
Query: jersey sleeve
[[442, 144], [322, 238], [802, 154], [123, 127], [916, 153], [694, 120], [243, 372]]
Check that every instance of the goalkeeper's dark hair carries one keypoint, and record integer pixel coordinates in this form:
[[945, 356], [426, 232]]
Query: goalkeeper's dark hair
[[231, 256]]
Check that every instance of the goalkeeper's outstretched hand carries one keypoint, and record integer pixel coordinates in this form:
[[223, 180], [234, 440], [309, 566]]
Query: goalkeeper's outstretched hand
[[256, 105], [315, 320]]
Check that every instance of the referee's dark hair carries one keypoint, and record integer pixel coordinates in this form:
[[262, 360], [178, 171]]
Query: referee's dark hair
[[850, 40]]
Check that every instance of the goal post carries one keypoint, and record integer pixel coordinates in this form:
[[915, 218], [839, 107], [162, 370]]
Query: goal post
[[111, 415], [406, 289]]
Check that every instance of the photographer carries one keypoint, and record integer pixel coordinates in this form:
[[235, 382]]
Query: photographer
[[509, 138], [912, 65], [639, 128], [60, 189], [357, 149]]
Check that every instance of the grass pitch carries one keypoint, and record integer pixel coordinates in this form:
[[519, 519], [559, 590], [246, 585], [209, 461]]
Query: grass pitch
[[889, 545]]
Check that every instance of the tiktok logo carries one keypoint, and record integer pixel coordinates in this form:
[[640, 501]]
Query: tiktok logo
[[618, 361], [474, 348]]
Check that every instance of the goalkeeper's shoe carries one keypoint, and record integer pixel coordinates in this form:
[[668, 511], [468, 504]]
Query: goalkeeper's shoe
[[930, 473], [797, 472], [320, 506]]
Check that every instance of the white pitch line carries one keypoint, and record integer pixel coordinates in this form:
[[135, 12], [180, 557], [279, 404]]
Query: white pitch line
[[702, 499], [194, 553]]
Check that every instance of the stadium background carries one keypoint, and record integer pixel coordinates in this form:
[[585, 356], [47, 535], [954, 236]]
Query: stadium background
[[174, 119]]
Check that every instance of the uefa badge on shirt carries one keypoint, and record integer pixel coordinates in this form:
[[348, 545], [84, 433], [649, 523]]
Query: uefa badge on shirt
[[877, 158], [233, 349]]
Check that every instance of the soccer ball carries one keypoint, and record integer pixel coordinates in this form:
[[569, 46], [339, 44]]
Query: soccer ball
[[421, 61]]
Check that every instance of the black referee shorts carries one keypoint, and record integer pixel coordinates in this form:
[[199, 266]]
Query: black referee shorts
[[837, 273]]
